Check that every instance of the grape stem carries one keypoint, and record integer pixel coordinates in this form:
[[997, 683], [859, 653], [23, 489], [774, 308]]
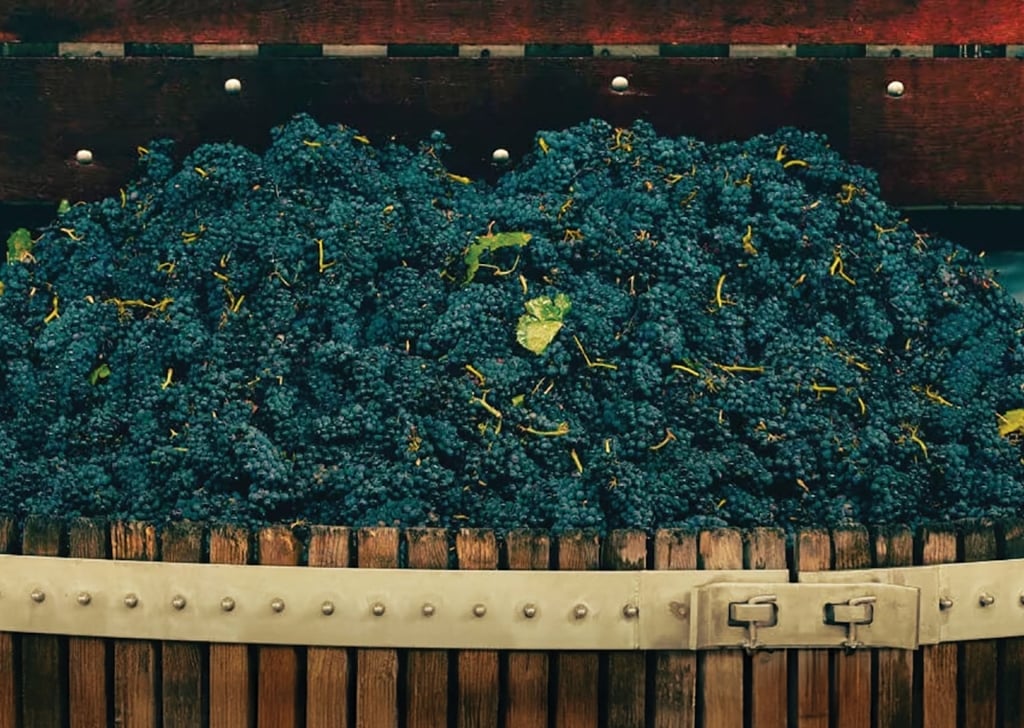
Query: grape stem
[[576, 460], [476, 373], [734, 368], [669, 437], [55, 313], [931, 394], [592, 363], [562, 429], [688, 370], [482, 401], [320, 257]]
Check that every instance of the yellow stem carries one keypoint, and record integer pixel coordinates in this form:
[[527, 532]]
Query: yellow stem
[[669, 437], [576, 460], [320, 256], [733, 368], [482, 401], [562, 429], [476, 373], [684, 368]]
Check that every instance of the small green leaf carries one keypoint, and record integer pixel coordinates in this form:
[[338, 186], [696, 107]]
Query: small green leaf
[[490, 243], [542, 321], [63, 207], [98, 374], [517, 401], [1012, 421], [19, 245]]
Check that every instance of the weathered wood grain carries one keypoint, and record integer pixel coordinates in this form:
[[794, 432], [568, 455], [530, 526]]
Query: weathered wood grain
[[182, 663], [675, 673], [478, 684], [1011, 657], [851, 671], [526, 686], [377, 669], [720, 682], [329, 683], [979, 678], [578, 674], [626, 696], [232, 695], [426, 682], [930, 147], [765, 548], [939, 669], [9, 703], [894, 692], [43, 682], [89, 658], [136, 691], [540, 21], [278, 668], [813, 553]]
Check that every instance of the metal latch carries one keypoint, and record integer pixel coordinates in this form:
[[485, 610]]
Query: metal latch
[[857, 611], [759, 611], [770, 616]]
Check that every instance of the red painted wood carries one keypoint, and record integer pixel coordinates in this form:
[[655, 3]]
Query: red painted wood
[[515, 21], [953, 137]]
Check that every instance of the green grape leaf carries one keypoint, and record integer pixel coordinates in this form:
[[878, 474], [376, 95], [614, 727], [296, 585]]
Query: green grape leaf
[[98, 374], [63, 207], [490, 243], [1012, 421], [19, 245], [542, 321]]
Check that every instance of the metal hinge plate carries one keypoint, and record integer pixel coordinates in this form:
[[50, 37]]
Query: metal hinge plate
[[512, 610], [967, 601], [805, 615]]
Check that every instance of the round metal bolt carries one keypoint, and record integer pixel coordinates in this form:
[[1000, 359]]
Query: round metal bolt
[[986, 599], [895, 89], [529, 611], [499, 156], [83, 598], [227, 604], [327, 609], [232, 86], [630, 611], [620, 83], [83, 156], [277, 605], [479, 610], [428, 610], [38, 596], [945, 603], [378, 610], [131, 601], [179, 602], [580, 611]]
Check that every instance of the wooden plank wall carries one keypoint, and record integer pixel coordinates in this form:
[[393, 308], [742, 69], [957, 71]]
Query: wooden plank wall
[[48, 680], [938, 144], [952, 139], [516, 21]]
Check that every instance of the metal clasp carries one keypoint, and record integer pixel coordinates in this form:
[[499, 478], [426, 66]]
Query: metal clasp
[[853, 612], [759, 611]]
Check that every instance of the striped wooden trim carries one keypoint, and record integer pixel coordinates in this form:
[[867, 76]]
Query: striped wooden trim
[[529, 50]]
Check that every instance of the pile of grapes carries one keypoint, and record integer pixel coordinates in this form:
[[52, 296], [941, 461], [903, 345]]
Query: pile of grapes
[[624, 331]]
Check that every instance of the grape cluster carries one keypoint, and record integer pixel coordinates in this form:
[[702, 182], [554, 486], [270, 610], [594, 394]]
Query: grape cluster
[[755, 338]]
